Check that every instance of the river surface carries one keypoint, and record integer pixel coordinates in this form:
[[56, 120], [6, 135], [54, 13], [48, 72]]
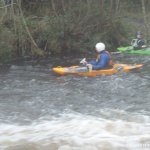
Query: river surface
[[40, 110]]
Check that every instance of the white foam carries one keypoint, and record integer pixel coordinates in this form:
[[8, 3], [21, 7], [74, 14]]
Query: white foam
[[78, 132]]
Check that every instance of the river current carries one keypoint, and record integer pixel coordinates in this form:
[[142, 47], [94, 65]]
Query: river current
[[40, 110]]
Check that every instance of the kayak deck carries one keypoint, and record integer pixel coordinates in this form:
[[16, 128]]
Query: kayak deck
[[82, 71]]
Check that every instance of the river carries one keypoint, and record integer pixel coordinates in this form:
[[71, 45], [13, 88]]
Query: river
[[40, 110]]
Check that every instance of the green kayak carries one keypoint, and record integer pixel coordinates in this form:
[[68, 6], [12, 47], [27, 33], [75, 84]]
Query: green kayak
[[130, 50]]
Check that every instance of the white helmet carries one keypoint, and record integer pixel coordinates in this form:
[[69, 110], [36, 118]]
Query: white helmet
[[100, 47]]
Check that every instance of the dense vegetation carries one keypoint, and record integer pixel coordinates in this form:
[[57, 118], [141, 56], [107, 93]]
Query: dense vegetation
[[38, 28]]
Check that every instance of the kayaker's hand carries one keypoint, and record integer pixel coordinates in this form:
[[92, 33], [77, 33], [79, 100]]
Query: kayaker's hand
[[89, 67], [83, 61], [143, 46]]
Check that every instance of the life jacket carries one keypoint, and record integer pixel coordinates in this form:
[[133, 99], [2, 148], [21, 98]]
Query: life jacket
[[110, 61], [138, 43]]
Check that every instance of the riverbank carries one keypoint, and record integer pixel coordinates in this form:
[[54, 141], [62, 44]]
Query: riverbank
[[49, 28]]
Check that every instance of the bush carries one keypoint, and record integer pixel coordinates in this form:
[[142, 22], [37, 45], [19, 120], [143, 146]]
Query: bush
[[6, 45]]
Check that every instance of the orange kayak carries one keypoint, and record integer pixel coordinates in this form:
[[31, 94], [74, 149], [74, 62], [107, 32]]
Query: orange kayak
[[83, 71]]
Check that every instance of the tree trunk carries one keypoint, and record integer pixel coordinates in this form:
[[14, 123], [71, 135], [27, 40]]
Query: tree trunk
[[89, 5], [117, 6], [54, 7], [145, 18], [102, 5], [63, 5], [37, 50], [4, 12]]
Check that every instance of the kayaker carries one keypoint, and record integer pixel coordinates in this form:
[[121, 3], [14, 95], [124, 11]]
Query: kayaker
[[139, 42], [103, 59]]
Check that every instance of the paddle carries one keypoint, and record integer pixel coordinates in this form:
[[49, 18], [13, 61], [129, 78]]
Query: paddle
[[83, 61]]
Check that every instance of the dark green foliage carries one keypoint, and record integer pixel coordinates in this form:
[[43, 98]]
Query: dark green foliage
[[65, 26], [6, 45]]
